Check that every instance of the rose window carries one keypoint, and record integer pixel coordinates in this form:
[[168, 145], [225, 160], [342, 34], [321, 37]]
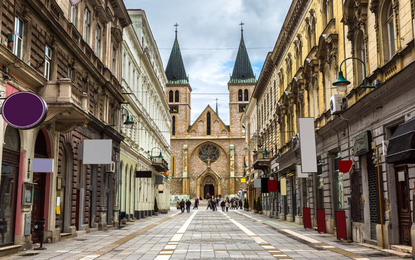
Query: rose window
[[209, 153]]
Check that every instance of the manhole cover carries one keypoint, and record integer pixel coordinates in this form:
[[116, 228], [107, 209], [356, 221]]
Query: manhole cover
[[28, 254], [218, 241]]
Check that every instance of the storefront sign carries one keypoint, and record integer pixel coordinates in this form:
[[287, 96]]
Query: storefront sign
[[308, 144], [361, 144], [24, 110], [257, 183], [283, 184], [143, 174], [300, 174], [42, 165], [243, 180], [97, 151]]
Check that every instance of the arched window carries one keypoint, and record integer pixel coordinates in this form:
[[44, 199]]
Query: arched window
[[360, 53], [173, 126], [171, 96], [208, 122], [246, 95], [389, 33], [176, 96], [240, 95]]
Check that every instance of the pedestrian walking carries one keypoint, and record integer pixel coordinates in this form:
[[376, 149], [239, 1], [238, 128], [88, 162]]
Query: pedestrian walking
[[178, 204], [227, 205], [240, 204], [188, 204], [182, 205], [209, 206], [222, 204], [196, 204]]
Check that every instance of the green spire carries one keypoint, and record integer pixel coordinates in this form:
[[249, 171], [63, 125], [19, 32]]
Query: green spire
[[175, 71], [242, 70]]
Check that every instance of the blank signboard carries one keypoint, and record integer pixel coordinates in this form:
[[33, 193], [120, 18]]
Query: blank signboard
[[308, 145], [97, 152]]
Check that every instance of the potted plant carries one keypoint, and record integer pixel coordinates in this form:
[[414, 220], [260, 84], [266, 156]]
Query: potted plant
[[156, 209], [259, 205]]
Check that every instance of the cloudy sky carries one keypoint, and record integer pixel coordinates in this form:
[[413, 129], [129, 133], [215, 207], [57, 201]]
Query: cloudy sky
[[209, 35]]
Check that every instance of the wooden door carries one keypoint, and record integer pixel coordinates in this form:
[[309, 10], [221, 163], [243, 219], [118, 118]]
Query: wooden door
[[38, 202], [404, 207]]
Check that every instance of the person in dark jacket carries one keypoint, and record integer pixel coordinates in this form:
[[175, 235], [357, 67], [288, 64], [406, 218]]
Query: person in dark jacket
[[188, 203], [222, 204], [182, 205]]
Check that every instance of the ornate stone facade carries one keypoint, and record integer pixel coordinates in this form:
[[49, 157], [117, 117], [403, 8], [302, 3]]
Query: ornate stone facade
[[207, 156]]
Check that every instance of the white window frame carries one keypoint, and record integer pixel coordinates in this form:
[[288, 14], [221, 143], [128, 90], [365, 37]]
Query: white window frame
[[87, 25], [390, 25], [48, 61], [74, 14], [18, 37], [98, 41]]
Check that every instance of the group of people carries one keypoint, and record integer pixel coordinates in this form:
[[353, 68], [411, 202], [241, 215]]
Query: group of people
[[225, 204], [182, 205]]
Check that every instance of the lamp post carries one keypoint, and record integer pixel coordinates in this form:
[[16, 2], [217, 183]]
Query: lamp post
[[341, 83], [127, 122]]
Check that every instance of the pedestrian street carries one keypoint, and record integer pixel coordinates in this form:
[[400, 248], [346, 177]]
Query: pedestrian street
[[205, 234]]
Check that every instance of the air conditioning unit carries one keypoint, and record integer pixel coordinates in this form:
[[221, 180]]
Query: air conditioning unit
[[110, 167], [336, 104]]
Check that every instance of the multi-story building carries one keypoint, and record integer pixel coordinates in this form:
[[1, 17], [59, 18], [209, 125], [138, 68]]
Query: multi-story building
[[143, 85], [354, 123], [70, 56], [207, 156]]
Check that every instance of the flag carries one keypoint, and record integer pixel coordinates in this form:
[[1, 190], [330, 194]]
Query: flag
[[74, 2]]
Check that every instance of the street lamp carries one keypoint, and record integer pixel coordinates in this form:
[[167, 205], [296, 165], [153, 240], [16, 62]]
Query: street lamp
[[127, 122], [157, 159], [341, 83]]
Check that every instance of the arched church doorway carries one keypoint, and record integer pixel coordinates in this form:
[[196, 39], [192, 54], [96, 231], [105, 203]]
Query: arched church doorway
[[208, 187], [209, 190]]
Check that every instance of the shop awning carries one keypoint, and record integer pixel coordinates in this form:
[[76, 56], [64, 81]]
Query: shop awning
[[401, 148]]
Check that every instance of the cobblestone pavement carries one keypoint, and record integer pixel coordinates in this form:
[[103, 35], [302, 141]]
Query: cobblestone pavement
[[203, 234]]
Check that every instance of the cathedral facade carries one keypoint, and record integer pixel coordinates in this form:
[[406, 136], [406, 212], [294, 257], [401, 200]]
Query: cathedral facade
[[207, 156]]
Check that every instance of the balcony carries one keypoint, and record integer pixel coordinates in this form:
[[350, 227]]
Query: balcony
[[262, 161], [67, 106], [159, 164]]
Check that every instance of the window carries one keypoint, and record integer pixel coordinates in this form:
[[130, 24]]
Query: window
[[391, 32], [246, 95], [176, 96], [70, 72], [74, 14], [173, 126], [87, 24], [114, 59], [48, 59], [208, 123], [360, 53], [171, 96], [18, 37], [84, 86], [98, 42], [240, 95]]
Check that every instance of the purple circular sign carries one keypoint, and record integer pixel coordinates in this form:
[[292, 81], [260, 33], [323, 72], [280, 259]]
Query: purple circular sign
[[24, 110]]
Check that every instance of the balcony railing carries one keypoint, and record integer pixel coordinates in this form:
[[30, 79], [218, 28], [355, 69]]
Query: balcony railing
[[159, 164]]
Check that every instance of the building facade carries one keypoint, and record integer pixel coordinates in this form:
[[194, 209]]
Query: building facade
[[143, 85], [297, 81], [69, 56], [207, 156]]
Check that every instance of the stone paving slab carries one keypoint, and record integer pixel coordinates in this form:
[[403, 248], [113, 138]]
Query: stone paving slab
[[205, 234]]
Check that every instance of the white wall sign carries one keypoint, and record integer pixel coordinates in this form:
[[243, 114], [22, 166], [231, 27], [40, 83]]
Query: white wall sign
[[307, 144], [300, 174], [97, 151], [42, 165], [257, 183]]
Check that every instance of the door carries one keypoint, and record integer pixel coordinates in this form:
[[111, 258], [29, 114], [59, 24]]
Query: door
[[209, 188], [8, 185], [38, 201], [404, 207]]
